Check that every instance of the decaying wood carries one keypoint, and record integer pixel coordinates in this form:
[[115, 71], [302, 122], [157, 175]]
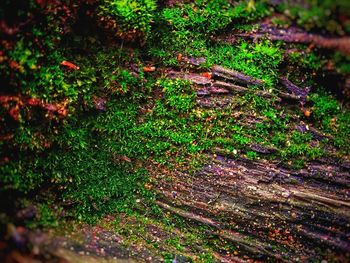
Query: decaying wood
[[193, 77], [240, 89], [268, 205], [194, 61], [220, 84], [288, 96], [230, 86], [6, 29], [265, 208], [262, 149], [254, 247], [321, 199], [299, 92], [234, 76], [294, 35], [318, 135]]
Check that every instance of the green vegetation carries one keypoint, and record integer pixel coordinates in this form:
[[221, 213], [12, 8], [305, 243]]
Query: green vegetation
[[128, 16], [332, 118], [260, 60], [187, 29], [84, 122]]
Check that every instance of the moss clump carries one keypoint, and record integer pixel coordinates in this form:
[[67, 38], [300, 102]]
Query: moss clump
[[128, 18], [187, 28], [260, 60]]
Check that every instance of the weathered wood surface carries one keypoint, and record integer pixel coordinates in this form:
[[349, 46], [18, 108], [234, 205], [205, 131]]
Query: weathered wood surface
[[226, 81], [293, 35], [265, 210], [233, 75], [268, 211]]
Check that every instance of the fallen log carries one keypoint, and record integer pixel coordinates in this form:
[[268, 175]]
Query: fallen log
[[257, 205]]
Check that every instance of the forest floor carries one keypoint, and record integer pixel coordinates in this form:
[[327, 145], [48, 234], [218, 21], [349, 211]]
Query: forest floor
[[232, 209], [249, 164]]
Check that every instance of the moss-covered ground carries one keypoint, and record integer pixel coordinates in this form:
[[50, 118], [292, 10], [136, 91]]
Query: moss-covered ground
[[80, 141]]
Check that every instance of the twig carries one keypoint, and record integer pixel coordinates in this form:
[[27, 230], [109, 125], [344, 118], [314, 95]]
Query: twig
[[234, 75]]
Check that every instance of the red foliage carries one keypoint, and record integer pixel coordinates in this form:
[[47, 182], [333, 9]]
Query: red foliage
[[14, 112], [69, 65]]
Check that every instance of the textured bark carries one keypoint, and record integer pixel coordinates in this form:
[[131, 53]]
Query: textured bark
[[267, 210], [293, 35], [226, 81], [295, 90], [234, 76]]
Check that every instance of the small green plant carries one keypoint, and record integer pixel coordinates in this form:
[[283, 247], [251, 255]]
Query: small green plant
[[178, 95], [325, 108], [252, 155]]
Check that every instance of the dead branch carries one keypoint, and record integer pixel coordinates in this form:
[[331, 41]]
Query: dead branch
[[240, 89], [294, 89], [294, 35], [234, 76]]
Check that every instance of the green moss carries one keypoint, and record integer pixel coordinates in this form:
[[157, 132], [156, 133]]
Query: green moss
[[179, 96], [260, 60], [190, 26], [251, 155], [47, 217], [307, 61], [129, 15], [332, 118], [325, 108], [298, 149]]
